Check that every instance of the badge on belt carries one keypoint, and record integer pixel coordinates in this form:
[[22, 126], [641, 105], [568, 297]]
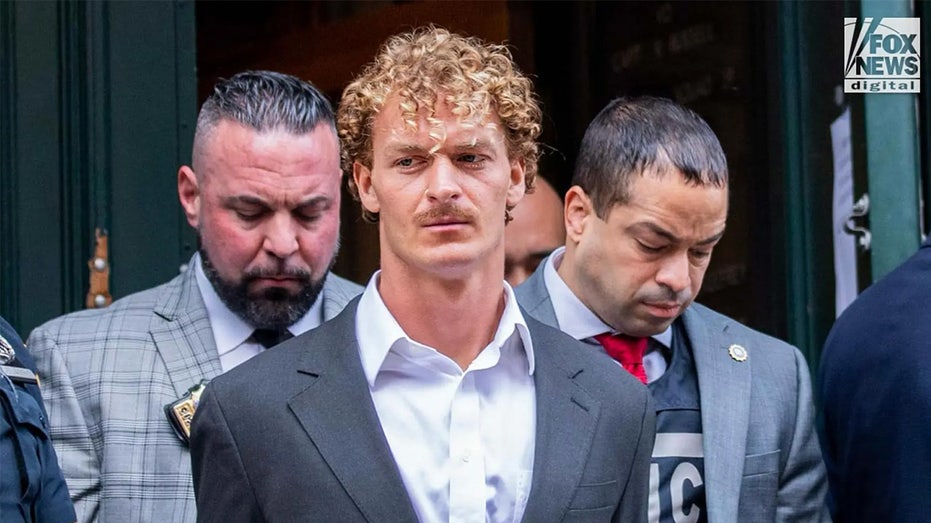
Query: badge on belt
[[181, 412]]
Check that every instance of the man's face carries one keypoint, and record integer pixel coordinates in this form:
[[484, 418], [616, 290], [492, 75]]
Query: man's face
[[643, 265], [440, 191], [537, 230], [266, 209]]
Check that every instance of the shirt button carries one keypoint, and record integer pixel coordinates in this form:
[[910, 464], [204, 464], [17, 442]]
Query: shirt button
[[466, 456]]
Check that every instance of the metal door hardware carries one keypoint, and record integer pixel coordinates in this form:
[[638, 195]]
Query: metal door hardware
[[860, 210]]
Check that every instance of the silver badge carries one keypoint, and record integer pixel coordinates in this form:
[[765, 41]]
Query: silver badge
[[7, 354], [737, 352]]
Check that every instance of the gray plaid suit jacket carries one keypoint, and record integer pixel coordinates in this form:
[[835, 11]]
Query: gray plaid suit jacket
[[107, 375], [761, 453]]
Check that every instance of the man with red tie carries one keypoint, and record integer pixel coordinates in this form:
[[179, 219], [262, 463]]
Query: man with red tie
[[734, 436]]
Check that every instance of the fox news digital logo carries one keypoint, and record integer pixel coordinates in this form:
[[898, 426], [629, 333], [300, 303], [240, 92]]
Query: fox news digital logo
[[881, 55]]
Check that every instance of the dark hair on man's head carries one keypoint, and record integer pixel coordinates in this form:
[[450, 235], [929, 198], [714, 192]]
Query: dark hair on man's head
[[632, 135], [264, 101]]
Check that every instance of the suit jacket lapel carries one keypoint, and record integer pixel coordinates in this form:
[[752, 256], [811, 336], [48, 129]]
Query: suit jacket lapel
[[566, 418], [337, 412], [724, 388], [182, 333], [535, 298], [180, 329], [336, 294], [331, 307]]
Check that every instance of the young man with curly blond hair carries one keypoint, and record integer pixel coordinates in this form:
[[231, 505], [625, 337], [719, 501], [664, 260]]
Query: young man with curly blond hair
[[432, 397]]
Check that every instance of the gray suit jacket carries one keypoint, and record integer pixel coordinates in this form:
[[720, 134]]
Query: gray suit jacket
[[761, 454], [107, 375], [293, 435]]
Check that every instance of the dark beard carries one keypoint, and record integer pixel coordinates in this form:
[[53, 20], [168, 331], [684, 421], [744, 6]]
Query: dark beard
[[272, 308]]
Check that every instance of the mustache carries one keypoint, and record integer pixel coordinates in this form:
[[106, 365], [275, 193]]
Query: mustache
[[444, 210], [279, 270], [665, 294]]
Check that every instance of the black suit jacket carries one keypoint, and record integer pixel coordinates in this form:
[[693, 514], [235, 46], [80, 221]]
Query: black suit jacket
[[292, 435], [875, 380]]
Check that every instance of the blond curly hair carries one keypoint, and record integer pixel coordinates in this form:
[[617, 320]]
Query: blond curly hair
[[476, 79]]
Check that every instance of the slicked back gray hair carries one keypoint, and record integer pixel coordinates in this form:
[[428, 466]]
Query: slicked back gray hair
[[631, 135], [263, 101]]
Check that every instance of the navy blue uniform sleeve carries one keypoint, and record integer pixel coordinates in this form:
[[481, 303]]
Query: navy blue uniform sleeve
[[32, 488], [23, 359]]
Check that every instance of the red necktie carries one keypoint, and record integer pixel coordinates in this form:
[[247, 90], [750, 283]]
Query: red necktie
[[627, 350]]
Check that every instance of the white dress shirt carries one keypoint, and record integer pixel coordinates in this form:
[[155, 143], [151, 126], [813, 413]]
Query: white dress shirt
[[231, 333], [578, 321], [463, 440]]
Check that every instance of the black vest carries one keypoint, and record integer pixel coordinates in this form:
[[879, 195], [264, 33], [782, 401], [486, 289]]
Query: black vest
[[677, 468]]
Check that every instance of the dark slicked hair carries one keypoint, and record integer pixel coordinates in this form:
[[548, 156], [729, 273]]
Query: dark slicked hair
[[264, 101], [632, 135]]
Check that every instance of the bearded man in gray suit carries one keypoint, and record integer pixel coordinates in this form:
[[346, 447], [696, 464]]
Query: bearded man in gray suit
[[734, 437], [263, 193]]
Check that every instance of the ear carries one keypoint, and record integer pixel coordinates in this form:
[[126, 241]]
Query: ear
[[189, 194], [578, 212], [517, 188], [362, 176]]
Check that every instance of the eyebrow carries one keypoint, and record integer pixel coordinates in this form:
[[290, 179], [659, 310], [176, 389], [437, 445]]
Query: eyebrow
[[404, 148], [242, 199], [672, 238], [398, 147], [474, 144], [711, 239], [314, 201]]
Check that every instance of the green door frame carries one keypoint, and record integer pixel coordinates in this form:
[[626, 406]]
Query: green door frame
[[97, 110], [893, 163], [804, 109], [807, 34]]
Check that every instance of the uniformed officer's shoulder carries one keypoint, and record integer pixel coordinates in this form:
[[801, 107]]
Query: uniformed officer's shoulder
[[16, 364], [13, 354], [24, 440], [9, 335]]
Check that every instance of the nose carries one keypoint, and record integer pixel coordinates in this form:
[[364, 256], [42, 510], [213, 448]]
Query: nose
[[442, 181], [674, 272], [280, 236]]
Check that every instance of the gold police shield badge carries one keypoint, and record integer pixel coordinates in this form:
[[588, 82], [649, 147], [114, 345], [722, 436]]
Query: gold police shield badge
[[181, 412]]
